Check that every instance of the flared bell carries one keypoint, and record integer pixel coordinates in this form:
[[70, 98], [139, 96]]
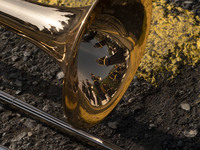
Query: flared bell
[[99, 47]]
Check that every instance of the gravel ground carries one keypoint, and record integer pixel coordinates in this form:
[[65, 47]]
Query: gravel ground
[[161, 117]]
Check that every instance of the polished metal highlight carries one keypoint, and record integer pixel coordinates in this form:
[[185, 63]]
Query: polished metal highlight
[[55, 123], [54, 29], [99, 47]]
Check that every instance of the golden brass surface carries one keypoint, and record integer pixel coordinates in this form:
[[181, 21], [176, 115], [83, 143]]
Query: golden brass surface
[[55, 29], [99, 48]]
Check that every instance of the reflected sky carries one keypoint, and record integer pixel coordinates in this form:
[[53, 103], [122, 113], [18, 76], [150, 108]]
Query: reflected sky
[[87, 64]]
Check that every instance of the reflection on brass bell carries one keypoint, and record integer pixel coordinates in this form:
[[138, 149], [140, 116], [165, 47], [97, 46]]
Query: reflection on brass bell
[[99, 47]]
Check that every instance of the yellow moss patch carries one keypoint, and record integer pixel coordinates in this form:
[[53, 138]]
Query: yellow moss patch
[[68, 3], [174, 40]]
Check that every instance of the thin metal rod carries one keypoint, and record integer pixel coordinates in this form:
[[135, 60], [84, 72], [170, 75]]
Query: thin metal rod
[[3, 148], [56, 123]]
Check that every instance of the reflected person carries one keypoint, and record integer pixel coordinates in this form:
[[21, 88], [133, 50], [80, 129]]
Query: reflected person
[[118, 58], [91, 35], [90, 87], [97, 85]]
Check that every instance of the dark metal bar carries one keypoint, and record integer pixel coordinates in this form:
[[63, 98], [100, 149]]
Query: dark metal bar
[[3, 148], [56, 123]]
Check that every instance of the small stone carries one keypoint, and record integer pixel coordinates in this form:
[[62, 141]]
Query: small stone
[[168, 128], [130, 100], [18, 83], [190, 133], [34, 68], [19, 137], [4, 134], [5, 142], [30, 45], [46, 108], [25, 59], [3, 37], [41, 94], [15, 49], [18, 92], [113, 125], [135, 84], [60, 75], [23, 46], [12, 146], [185, 106], [187, 4], [5, 34], [27, 54], [78, 148], [15, 58], [198, 100], [18, 115], [30, 133], [35, 50], [35, 83], [29, 124], [151, 126], [22, 120]]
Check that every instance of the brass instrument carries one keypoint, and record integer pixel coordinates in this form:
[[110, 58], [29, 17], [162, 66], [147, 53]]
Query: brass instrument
[[99, 47]]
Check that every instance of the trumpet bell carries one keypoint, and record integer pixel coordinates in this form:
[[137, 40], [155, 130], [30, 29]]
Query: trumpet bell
[[99, 48]]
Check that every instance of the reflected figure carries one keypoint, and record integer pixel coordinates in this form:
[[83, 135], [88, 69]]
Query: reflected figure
[[91, 92], [107, 90], [90, 36], [120, 68], [117, 54], [114, 48], [102, 61], [115, 76], [111, 50], [100, 44], [97, 85], [118, 58], [103, 42], [88, 91], [85, 89]]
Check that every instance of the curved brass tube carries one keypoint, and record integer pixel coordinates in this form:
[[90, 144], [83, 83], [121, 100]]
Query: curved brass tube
[[54, 29], [99, 48]]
